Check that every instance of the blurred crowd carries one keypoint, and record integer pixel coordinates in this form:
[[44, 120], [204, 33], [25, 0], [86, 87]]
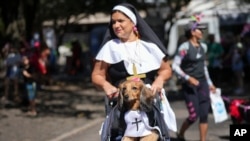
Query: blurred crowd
[[27, 66], [229, 61], [25, 63]]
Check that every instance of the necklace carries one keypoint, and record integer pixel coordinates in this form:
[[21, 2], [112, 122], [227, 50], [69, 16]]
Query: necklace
[[134, 58], [133, 52]]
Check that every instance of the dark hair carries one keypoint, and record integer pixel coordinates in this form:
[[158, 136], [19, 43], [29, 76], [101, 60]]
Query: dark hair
[[188, 34]]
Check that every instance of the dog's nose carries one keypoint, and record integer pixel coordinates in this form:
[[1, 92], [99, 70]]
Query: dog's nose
[[126, 96]]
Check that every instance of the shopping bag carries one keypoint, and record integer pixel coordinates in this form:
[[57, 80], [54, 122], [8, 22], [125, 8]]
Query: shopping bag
[[218, 106], [168, 113]]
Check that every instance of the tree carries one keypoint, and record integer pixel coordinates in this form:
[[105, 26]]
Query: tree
[[26, 16]]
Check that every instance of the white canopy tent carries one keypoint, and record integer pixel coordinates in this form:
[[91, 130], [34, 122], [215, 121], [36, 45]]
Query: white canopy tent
[[214, 7]]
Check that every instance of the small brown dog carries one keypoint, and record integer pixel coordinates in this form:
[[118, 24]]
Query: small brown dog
[[136, 99]]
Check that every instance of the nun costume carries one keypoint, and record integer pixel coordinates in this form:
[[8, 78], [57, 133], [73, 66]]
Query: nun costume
[[146, 53], [140, 58]]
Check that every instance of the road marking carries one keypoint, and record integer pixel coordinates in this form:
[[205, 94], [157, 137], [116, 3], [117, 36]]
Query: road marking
[[77, 130]]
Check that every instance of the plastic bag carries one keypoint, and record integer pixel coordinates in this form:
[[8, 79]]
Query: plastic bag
[[218, 106], [168, 113]]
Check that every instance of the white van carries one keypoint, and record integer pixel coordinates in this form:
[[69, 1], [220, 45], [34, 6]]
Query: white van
[[219, 16], [177, 30]]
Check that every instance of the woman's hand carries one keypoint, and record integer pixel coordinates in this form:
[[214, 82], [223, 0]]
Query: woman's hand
[[164, 74], [157, 85], [212, 88], [110, 91], [98, 77], [193, 81]]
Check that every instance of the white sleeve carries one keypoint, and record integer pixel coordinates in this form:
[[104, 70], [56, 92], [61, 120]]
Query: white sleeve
[[108, 53], [209, 81], [182, 51]]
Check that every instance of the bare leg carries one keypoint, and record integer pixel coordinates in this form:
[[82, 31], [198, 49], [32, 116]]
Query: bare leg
[[16, 90], [32, 106], [6, 86], [203, 131], [32, 109], [184, 127], [16, 86]]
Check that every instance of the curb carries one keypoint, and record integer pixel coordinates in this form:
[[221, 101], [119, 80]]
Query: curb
[[77, 130]]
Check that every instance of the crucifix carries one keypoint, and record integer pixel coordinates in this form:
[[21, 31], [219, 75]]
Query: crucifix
[[136, 122], [135, 75]]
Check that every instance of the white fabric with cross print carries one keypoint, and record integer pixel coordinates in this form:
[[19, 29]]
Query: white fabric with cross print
[[137, 124]]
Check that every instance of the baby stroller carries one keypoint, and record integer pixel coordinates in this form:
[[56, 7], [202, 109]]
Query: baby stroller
[[114, 126]]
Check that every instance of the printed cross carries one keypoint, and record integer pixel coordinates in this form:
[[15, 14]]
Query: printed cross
[[137, 122], [135, 75]]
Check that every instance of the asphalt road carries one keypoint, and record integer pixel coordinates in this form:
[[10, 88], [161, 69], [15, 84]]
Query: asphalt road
[[216, 132], [74, 111]]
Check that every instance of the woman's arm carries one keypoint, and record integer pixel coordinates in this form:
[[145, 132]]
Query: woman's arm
[[209, 81], [177, 69], [27, 74], [99, 79], [182, 52], [164, 74]]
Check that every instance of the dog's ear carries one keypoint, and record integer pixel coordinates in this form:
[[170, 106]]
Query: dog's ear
[[146, 99], [120, 97]]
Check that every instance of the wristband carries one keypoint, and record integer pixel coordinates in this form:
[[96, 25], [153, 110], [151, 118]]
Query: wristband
[[186, 77]]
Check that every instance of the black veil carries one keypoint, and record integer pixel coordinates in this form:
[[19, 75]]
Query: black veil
[[145, 31]]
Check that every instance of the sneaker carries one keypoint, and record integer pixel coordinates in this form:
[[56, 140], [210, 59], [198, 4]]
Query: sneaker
[[31, 113]]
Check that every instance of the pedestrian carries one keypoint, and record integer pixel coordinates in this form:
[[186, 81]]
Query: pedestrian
[[189, 64], [28, 73], [76, 62], [130, 48], [238, 66], [39, 60], [214, 53], [12, 64], [247, 58]]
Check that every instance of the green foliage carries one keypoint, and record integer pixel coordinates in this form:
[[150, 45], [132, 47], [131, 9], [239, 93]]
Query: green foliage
[[34, 12]]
